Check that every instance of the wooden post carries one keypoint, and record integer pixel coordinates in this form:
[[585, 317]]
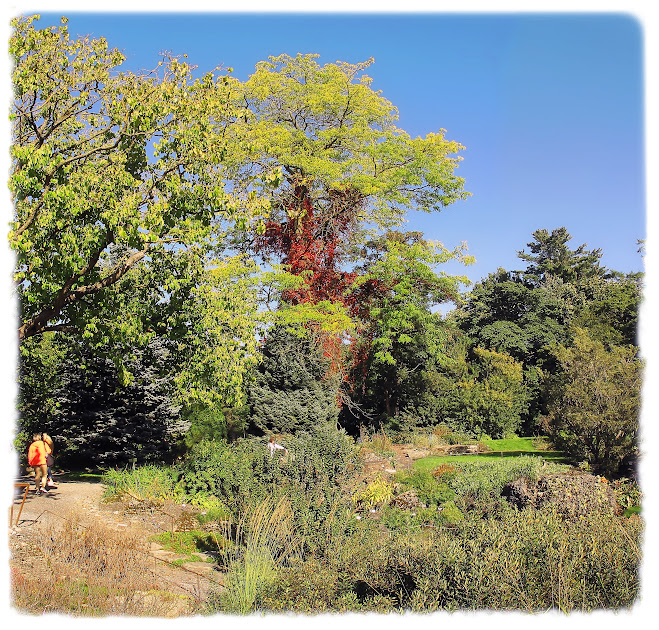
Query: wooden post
[[27, 489]]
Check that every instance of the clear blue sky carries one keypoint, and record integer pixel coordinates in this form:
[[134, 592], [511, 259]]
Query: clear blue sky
[[548, 106]]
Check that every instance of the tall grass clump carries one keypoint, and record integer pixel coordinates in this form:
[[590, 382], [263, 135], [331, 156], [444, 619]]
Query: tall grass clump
[[265, 541]]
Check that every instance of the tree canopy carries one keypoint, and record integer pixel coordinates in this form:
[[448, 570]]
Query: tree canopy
[[109, 170]]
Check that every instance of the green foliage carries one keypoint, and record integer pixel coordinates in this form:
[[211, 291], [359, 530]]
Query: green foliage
[[375, 493], [221, 470], [211, 509], [207, 422], [312, 587], [527, 313], [266, 540], [429, 489], [292, 389], [324, 127], [486, 479], [188, 543], [96, 419], [550, 257], [313, 478], [628, 493], [217, 335], [516, 562], [145, 483], [39, 373], [611, 316], [493, 402], [119, 180], [398, 285], [594, 403], [451, 514]]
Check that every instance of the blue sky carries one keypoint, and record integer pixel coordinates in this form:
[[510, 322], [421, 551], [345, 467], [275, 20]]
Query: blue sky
[[548, 106]]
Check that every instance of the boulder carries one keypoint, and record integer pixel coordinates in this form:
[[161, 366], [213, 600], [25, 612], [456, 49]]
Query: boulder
[[571, 494]]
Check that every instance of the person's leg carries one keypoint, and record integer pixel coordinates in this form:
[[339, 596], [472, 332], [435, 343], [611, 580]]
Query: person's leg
[[37, 477], [42, 474], [50, 483]]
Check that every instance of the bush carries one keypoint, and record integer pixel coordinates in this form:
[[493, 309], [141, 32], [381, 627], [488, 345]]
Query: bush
[[315, 477], [429, 489], [377, 492], [486, 479], [594, 404], [223, 471], [527, 561], [145, 483]]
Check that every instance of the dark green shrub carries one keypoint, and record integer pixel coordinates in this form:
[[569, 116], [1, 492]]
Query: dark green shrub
[[313, 476], [221, 470], [429, 490]]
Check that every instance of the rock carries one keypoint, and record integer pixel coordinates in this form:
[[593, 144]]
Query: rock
[[407, 501], [572, 495]]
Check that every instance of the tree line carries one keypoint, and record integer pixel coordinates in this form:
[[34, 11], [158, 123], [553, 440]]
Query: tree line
[[205, 257]]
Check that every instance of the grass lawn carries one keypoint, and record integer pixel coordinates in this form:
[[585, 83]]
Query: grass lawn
[[510, 447]]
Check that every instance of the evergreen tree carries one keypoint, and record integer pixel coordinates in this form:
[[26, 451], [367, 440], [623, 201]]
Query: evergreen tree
[[98, 420], [550, 256], [293, 387]]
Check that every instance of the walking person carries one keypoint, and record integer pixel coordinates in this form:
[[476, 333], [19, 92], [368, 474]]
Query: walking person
[[50, 460], [36, 457]]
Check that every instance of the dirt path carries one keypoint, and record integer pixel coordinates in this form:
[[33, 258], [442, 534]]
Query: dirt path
[[83, 501]]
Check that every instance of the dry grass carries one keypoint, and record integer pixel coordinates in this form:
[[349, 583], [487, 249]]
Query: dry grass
[[88, 569], [379, 443]]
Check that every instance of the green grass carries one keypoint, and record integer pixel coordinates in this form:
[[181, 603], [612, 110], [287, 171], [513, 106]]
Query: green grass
[[506, 447], [512, 444], [632, 510]]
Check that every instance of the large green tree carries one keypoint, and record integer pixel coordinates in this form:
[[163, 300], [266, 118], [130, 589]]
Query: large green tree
[[550, 256], [120, 206], [527, 313], [399, 284], [325, 130], [110, 170], [594, 403], [94, 417]]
